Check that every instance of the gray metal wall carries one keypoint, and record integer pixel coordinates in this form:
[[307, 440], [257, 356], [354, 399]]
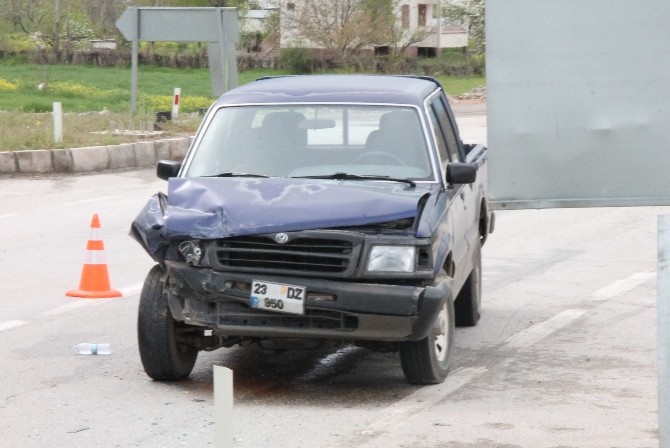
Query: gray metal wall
[[578, 102]]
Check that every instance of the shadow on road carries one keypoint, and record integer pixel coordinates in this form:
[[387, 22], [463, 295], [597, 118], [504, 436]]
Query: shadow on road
[[346, 376]]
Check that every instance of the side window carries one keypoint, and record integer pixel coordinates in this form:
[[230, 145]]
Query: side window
[[447, 130], [441, 142]]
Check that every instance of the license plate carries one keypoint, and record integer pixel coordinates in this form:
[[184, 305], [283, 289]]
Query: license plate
[[278, 297]]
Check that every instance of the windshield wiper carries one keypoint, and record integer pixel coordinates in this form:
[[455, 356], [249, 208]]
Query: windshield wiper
[[347, 176], [236, 174]]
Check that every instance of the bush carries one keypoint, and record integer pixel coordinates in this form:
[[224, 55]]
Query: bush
[[7, 85], [452, 63], [37, 106], [297, 60]]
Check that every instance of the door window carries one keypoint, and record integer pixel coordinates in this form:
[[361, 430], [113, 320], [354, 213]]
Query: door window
[[447, 130]]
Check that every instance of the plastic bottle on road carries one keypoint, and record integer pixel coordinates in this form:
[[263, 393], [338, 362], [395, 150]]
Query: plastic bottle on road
[[86, 348]]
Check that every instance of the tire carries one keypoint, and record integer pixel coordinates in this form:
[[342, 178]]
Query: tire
[[469, 300], [163, 356], [427, 361]]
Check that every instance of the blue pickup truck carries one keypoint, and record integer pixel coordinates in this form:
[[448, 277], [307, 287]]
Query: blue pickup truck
[[338, 209]]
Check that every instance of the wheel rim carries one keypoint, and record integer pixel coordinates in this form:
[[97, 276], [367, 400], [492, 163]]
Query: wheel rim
[[441, 335]]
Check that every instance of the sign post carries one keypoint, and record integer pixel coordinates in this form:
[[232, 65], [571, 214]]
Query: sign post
[[216, 26]]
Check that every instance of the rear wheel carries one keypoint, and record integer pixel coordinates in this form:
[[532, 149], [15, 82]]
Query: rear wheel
[[427, 361], [469, 300], [165, 356]]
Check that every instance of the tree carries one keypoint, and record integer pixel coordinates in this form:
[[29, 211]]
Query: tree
[[242, 4], [341, 27], [24, 15], [344, 27], [56, 24], [471, 12], [104, 14]]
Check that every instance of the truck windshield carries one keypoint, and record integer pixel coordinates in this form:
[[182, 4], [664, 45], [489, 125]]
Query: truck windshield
[[313, 140]]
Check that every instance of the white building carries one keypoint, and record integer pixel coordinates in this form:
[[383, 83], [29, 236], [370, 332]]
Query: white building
[[254, 20], [418, 20], [424, 16]]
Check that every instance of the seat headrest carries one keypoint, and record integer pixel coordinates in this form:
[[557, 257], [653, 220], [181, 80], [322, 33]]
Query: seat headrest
[[396, 120], [283, 119]]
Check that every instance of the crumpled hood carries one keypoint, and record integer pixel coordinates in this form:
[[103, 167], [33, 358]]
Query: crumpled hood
[[222, 207], [210, 208]]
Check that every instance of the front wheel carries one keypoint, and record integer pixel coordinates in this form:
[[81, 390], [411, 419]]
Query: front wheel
[[165, 356], [427, 361]]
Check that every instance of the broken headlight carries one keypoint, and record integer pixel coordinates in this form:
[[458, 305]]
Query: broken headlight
[[191, 251]]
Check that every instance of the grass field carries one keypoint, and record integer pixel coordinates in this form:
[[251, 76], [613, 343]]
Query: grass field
[[97, 99], [87, 88]]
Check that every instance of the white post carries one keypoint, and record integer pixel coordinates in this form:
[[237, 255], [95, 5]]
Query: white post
[[58, 123], [663, 310], [134, 58], [175, 102], [223, 407]]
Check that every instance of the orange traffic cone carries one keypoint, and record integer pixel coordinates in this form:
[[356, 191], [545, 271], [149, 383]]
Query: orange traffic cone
[[94, 282]]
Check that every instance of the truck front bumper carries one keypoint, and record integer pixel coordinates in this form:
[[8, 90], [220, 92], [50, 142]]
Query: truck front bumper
[[351, 311]]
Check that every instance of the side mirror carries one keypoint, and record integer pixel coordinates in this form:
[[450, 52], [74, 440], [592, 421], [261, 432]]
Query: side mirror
[[166, 169], [461, 173]]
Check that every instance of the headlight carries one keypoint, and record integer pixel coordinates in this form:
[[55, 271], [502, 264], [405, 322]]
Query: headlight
[[191, 251], [392, 259]]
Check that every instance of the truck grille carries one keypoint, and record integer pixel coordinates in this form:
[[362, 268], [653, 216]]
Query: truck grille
[[331, 255]]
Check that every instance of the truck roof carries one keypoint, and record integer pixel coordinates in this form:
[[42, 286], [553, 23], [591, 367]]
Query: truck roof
[[373, 89]]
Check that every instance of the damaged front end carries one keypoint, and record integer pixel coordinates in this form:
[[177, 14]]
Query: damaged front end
[[217, 208], [217, 238], [148, 228]]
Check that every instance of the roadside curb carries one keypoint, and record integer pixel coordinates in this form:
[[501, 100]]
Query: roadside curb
[[140, 154]]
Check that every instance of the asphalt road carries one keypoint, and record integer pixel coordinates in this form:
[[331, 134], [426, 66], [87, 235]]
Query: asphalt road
[[564, 356]]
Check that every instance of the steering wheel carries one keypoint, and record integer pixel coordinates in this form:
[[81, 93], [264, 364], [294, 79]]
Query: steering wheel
[[382, 155]]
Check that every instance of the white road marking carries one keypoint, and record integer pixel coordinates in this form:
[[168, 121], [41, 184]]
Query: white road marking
[[11, 324], [87, 201], [429, 396], [74, 305], [131, 290], [62, 309], [623, 286], [424, 398], [532, 335], [9, 215], [79, 303]]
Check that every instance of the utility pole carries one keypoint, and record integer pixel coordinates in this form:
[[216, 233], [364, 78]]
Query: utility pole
[[57, 29], [438, 50]]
